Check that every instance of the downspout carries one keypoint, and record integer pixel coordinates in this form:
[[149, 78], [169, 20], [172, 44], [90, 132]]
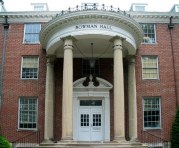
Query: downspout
[[6, 27], [170, 27]]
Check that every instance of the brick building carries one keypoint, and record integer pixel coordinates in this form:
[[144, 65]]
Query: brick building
[[92, 73]]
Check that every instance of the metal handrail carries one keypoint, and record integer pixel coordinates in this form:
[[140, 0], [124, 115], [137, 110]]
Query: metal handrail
[[92, 8], [153, 140], [28, 140]]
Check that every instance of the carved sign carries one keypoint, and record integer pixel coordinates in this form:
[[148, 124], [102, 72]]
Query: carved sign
[[93, 26]]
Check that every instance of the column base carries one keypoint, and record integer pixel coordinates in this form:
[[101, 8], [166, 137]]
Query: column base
[[134, 139], [47, 141], [119, 139], [67, 139]]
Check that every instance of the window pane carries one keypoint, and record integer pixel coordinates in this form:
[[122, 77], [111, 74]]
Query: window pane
[[32, 33], [139, 8], [149, 33], [30, 62], [27, 113], [151, 109], [90, 102], [87, 69], [150, 67], [30, 67]]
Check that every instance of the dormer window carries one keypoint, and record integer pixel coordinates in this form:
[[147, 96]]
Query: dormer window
[[40, 6], [138, 7], [175, 8]]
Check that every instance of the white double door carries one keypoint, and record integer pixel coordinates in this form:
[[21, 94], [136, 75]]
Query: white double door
[[90, 125]]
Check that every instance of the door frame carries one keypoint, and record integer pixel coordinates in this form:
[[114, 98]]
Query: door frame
[[102, 91]]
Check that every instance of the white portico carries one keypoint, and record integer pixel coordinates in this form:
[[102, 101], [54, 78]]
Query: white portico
[[86, 109]]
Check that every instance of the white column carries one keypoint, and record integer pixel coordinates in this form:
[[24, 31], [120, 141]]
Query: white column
[[119, 115], [67, 116], [132, 100], [49, 100]]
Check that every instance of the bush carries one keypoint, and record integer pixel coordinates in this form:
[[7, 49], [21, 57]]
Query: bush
[[175, 132], [4, 143]]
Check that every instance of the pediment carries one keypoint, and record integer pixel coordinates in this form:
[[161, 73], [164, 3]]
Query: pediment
[[103, 85]]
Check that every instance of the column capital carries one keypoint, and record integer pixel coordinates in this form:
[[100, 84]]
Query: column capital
[[131, 59], [116, 38], [50, 59], [69, 38], [68, 42], [117, 41]]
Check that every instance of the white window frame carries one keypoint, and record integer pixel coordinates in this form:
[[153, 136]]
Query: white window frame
[[147, 38], [24, 39], [22, 68], [19, 105], [149, 68], [143, 102]]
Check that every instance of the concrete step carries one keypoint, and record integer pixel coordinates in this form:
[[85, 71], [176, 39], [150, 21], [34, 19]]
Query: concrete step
[[91, 145]]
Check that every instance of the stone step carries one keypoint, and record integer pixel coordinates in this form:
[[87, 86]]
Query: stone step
[[91, 145]]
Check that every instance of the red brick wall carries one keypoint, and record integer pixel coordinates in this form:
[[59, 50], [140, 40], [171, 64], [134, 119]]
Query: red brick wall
[[165, 86], [14, 87], [175, 41]]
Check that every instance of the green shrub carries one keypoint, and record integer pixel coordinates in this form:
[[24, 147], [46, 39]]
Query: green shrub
[[175, 132], [4, 143]]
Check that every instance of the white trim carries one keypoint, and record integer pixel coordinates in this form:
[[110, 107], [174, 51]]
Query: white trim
[[90, 92]]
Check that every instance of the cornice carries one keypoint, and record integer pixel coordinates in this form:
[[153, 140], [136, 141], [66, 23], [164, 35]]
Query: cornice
[[154, 17], [46, 16], [28, 16]]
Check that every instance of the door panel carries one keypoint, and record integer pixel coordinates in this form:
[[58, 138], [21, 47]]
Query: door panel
[[90, 123], [96, 128], [84, 127]]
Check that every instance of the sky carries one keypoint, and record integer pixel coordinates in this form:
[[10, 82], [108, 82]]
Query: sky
[[58, 5]]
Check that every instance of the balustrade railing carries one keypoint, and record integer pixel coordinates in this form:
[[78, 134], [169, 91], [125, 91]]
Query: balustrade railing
[[92, 7]]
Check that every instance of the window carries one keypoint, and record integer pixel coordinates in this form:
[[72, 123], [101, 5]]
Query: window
[[29, 66], [177, 8], [149, 33], [27, 113], [31, 33], [151, 112], [150, 67], [139, 8], [90, 102], [40, 6], [90, 66]]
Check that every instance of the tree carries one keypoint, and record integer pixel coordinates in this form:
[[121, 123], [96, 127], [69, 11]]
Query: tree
[[175, 131], [4, 143]]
